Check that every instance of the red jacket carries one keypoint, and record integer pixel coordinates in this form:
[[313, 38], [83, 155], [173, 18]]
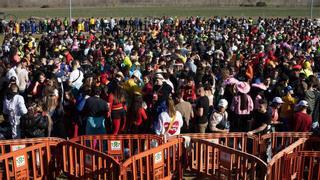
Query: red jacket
[[69, 58]]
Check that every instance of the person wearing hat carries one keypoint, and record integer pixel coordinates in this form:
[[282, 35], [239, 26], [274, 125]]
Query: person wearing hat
[[218, 121], [241, 106], [301, 119], [286, 111], [275, 106], [118, 78], [161, 92], [161, 89], [132, 85]]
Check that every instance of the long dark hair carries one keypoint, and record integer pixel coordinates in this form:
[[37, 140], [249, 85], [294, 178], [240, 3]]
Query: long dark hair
[[135, 106], [243, 101], [119, 95]]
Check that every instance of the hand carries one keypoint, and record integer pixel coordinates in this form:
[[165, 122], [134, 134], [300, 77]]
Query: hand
[[250, 133]]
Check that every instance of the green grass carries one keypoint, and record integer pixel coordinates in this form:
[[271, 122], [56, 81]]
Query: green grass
[[23, 13]]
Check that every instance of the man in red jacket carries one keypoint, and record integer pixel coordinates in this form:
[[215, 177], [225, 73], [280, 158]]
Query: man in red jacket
[[301, 119]]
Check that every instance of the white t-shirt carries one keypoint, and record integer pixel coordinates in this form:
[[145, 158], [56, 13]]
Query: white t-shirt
[[12, 73], [164, 123], [76, 78], [23, 78]]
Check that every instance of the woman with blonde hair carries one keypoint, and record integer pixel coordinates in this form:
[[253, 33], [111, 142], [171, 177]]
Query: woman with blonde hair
[[170, 121]]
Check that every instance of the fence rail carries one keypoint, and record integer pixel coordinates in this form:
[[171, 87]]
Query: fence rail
[[78, 161], [163, 162], [240, 141], [7, 146], [33, 162], [120, 147], [303, 165], [213, 155], [276, 167], [220, 162]]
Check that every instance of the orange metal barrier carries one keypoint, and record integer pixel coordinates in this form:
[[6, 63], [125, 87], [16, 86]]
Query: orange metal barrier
[[78, 161], [240, 141], [120, 147], [280, 140], [215, 161], [7, 146], [33, 162], [52, 159], [303, 165], [163, 162], [276, 168]]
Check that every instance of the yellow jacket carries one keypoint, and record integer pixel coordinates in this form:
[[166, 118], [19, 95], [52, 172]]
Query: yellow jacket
[[131, 87], [287, 107]]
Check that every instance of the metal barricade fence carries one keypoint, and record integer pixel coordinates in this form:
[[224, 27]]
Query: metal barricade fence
[[276, 167], [215, 161], [279, 140], [120, 147], [33, 162], [303, 165], [52, 159], [78, 161], [162, 162], [236, 140], [214, 155], [7, 146]]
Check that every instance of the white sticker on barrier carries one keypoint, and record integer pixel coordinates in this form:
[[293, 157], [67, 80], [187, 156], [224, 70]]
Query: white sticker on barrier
[[158, 157], [17, 147], [115, 145], [20, 161]]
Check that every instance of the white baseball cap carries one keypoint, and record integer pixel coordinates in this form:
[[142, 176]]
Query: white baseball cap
[[223, 103], [277, 100], [303, 103]]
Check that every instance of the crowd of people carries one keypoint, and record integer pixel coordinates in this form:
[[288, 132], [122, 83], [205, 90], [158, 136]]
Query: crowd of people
[[159, 75]]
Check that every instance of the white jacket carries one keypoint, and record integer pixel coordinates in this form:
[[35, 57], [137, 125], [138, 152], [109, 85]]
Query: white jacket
[[14, 108]]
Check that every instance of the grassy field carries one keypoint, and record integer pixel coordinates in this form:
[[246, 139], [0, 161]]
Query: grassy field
[[22, 13]]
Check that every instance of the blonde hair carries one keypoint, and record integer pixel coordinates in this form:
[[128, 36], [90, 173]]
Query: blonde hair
[[171, 107]]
